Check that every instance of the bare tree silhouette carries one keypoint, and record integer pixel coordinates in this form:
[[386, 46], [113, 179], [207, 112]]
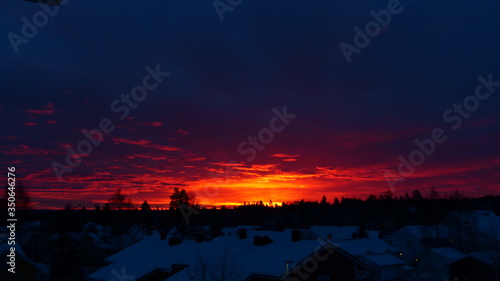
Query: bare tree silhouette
[[225, 268]]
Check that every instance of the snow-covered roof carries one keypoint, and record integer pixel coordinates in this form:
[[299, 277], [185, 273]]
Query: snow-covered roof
[[5, 249], [471, 213], [488, 224], [467, 217], [449, 254], [383, 260], [488, 257], [182, 275], [152, 253], [422, 231], [367, 246]]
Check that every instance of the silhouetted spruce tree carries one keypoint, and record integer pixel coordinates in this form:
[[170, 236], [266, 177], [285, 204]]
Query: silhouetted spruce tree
[[456, 195], [336, 202], [145, 206], [323, 200], [407, 197], [146, 216], [119, 201], [177, 198], [416, 195], [387, 195], [433, 194]]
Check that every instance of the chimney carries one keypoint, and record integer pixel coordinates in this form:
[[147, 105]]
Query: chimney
[[199, 237], [243, 233], [295, 235], [163, 235], [262, 240]]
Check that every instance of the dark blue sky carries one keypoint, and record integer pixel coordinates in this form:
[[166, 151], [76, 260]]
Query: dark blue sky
[[353, 119]]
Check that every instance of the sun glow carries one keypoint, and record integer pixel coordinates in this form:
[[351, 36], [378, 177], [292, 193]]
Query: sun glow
[[282, 188]]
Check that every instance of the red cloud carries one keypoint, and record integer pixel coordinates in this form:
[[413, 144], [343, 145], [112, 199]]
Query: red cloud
[[132, 142], [154, 124], [146, 143], [191, 157], [358, 174], [48, 109], [154, 158], [164, 147], [51, 122], [226, 164], [133, 126], [29, 124], [25, 150], [260, 168], [201, 158], [282, 155]]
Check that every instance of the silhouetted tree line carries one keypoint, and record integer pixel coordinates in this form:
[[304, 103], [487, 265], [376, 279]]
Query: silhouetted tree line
[[385, 211]]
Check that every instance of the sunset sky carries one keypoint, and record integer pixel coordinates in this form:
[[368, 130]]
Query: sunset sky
[[227, 81]]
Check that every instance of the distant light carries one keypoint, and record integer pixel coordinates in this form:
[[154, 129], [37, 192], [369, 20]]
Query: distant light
[[416, 259], [400, 254]]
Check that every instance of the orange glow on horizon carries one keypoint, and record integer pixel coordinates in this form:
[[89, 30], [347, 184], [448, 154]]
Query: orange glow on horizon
[[277, 188], [215, 186]]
